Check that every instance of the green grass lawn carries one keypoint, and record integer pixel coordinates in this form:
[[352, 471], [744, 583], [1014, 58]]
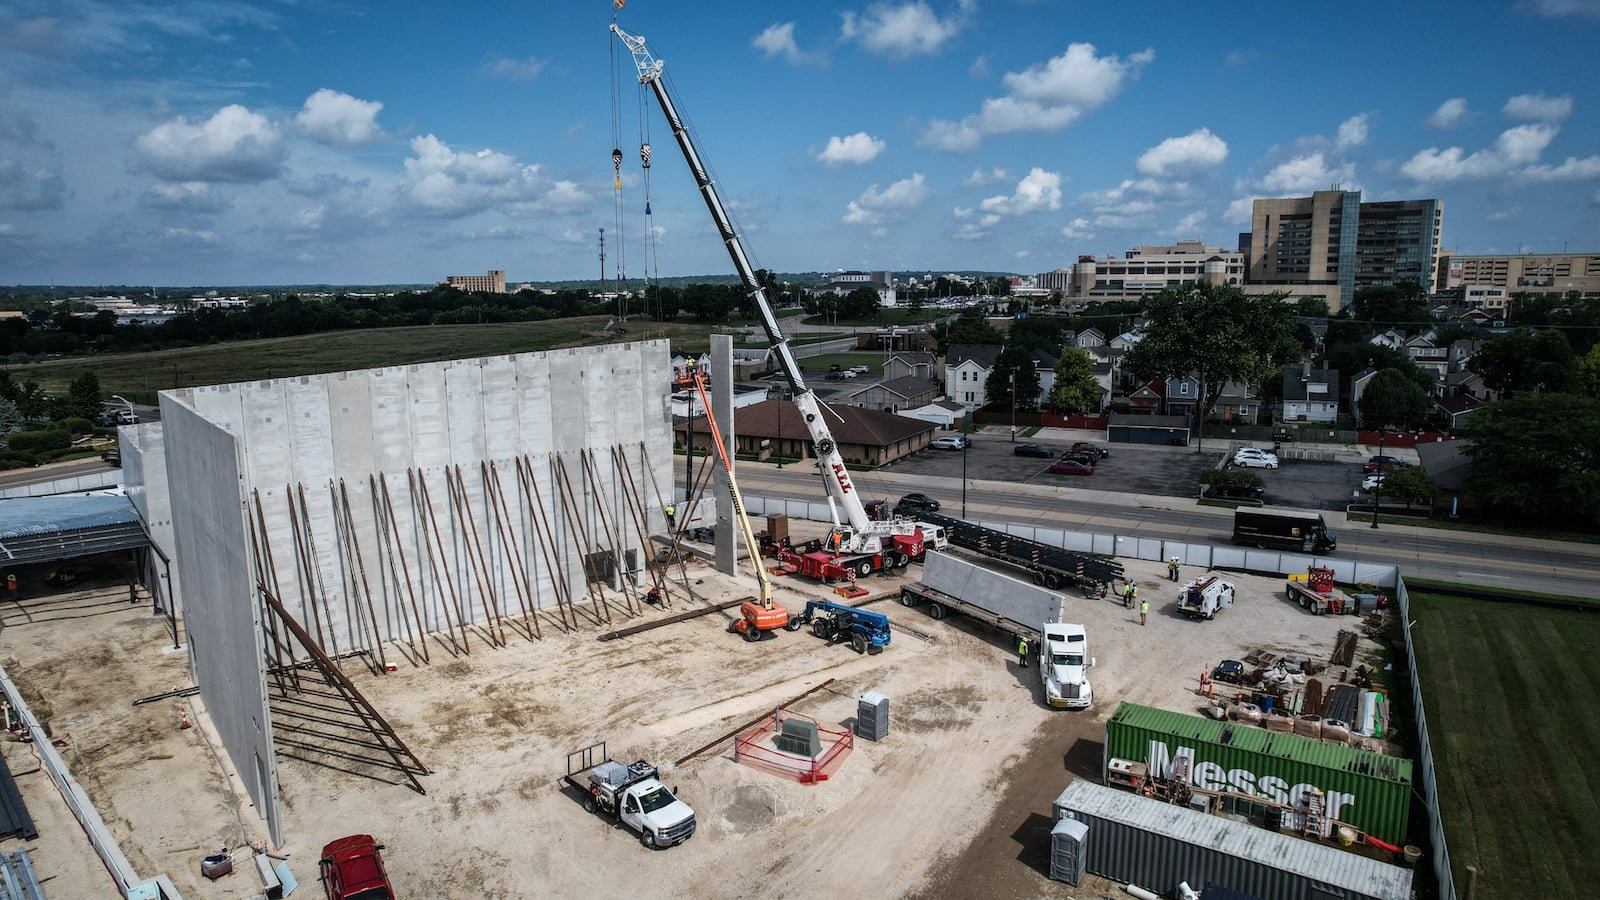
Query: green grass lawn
[[138, 376], [1510, 692]]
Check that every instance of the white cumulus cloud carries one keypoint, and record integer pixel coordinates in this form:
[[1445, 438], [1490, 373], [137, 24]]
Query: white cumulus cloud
[[853, 149], [1077, 230], [1043, 97], [508, 69], [777, 40], [1038, 190], [1451, 112], [1189, 225], [903, 30], [873, 206], [985, 177], [190, 197], [1195, 150], [1353, 131], [234, 145], [337, 118], [1512, 150], [1240, 211], [1303, 174], [440, 181], [1538, 107]]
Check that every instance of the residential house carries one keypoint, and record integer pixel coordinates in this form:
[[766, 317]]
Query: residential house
[[1183, 395], [1149, 398], [895, 395], [1461, 353], [775, 427], [1238, 403], [1456, 408], [1045, 365], [1389, 338], [921, 364], [1427, 355], [1126, 340], [966, 373], [1467, 381], [1358, 386], [1089, 337], [1310, 395]]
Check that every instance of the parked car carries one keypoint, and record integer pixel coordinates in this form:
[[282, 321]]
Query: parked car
[[1071, 467], [861, 370], [1372, 481], [1253, 458], [849, 373], [917, 503], [1383, 464], [126, 417], [1034, 450], [1088, 459], [352, 869], [951, 442], [835, 376], [1236, 492], [112, 456], [1086, 447]]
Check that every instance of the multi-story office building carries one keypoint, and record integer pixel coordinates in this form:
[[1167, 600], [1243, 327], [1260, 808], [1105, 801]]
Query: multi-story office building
[[492, 283], [1331, 243], [1530, 273], [1146, 270]]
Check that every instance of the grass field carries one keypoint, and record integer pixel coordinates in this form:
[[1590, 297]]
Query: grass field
[[1510, 693], [138, 376]]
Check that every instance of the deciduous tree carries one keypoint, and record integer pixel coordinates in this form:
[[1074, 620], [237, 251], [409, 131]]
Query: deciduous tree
[[1536, 457], [1391, 400], [1525, 360], [1217, 333], [1075, 388]]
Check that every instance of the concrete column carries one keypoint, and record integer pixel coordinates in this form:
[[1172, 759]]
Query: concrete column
[[722, 410]]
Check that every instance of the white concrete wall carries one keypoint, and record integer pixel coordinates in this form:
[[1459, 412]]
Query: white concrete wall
[[444, 559]]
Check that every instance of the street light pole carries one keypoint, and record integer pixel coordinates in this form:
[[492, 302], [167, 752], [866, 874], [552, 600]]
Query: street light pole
[[1013, 407], [1377, 489], [964, 482]]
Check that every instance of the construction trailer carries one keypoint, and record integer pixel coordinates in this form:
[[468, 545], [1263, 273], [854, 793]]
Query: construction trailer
[[1268, 776], [1157, 846]]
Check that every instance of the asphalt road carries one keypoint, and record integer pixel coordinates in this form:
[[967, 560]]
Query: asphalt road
[[1491, 560]]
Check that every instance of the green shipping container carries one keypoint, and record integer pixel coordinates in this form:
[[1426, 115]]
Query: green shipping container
[[1369, 791]]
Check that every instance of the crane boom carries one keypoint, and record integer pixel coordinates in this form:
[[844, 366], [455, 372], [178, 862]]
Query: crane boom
[[840, 487]]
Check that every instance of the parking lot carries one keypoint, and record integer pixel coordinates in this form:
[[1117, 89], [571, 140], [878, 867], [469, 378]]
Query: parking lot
[[1143, 469]]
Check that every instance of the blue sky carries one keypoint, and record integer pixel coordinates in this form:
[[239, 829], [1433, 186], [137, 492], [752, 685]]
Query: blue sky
[[280, 143]]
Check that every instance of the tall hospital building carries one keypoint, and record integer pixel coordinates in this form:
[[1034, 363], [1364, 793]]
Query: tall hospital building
[[1331, 243]]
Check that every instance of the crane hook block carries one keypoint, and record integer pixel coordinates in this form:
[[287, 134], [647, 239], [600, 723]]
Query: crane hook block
[[616, 157], [644, 154]]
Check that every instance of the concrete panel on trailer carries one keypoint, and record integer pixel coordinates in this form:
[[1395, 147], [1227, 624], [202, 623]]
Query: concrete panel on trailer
[[222, 609], [1018, 601]]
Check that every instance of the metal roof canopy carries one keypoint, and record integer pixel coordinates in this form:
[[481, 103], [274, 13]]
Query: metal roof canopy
[[50, 529]]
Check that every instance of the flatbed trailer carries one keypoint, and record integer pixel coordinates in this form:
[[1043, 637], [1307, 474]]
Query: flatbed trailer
[[1050, 567], [941, 604]]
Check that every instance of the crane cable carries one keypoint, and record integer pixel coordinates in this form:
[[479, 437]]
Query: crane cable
[[617, 216], [652, 259]]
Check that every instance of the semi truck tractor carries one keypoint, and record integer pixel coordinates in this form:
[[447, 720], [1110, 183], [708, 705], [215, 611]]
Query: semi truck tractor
[[1064, 663]]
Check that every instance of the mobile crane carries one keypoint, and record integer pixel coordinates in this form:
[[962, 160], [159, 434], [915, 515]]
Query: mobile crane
[[858, 546]]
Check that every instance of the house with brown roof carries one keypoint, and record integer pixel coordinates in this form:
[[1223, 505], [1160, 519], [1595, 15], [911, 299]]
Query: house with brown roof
[[774, 427], [896, 395]]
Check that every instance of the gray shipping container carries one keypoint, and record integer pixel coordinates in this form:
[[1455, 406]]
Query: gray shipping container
[[1156, 845], [1026, 604]]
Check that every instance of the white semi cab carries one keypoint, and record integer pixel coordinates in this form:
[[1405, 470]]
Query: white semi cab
[[1064, 666], [1202, 597], [632, 794]]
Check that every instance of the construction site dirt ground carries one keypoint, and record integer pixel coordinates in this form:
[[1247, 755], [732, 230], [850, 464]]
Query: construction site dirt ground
[[954, 802]]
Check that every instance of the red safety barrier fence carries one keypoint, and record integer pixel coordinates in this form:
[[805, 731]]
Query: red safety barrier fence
[[757, 747]]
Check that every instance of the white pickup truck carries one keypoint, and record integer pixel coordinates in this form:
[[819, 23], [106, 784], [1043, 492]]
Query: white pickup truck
[[1202, 597], [632, 794], [1064, 666]]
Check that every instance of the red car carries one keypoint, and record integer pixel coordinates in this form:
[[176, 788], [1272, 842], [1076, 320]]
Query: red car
[[1383, 464], [352, 869], [1070, 467]]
